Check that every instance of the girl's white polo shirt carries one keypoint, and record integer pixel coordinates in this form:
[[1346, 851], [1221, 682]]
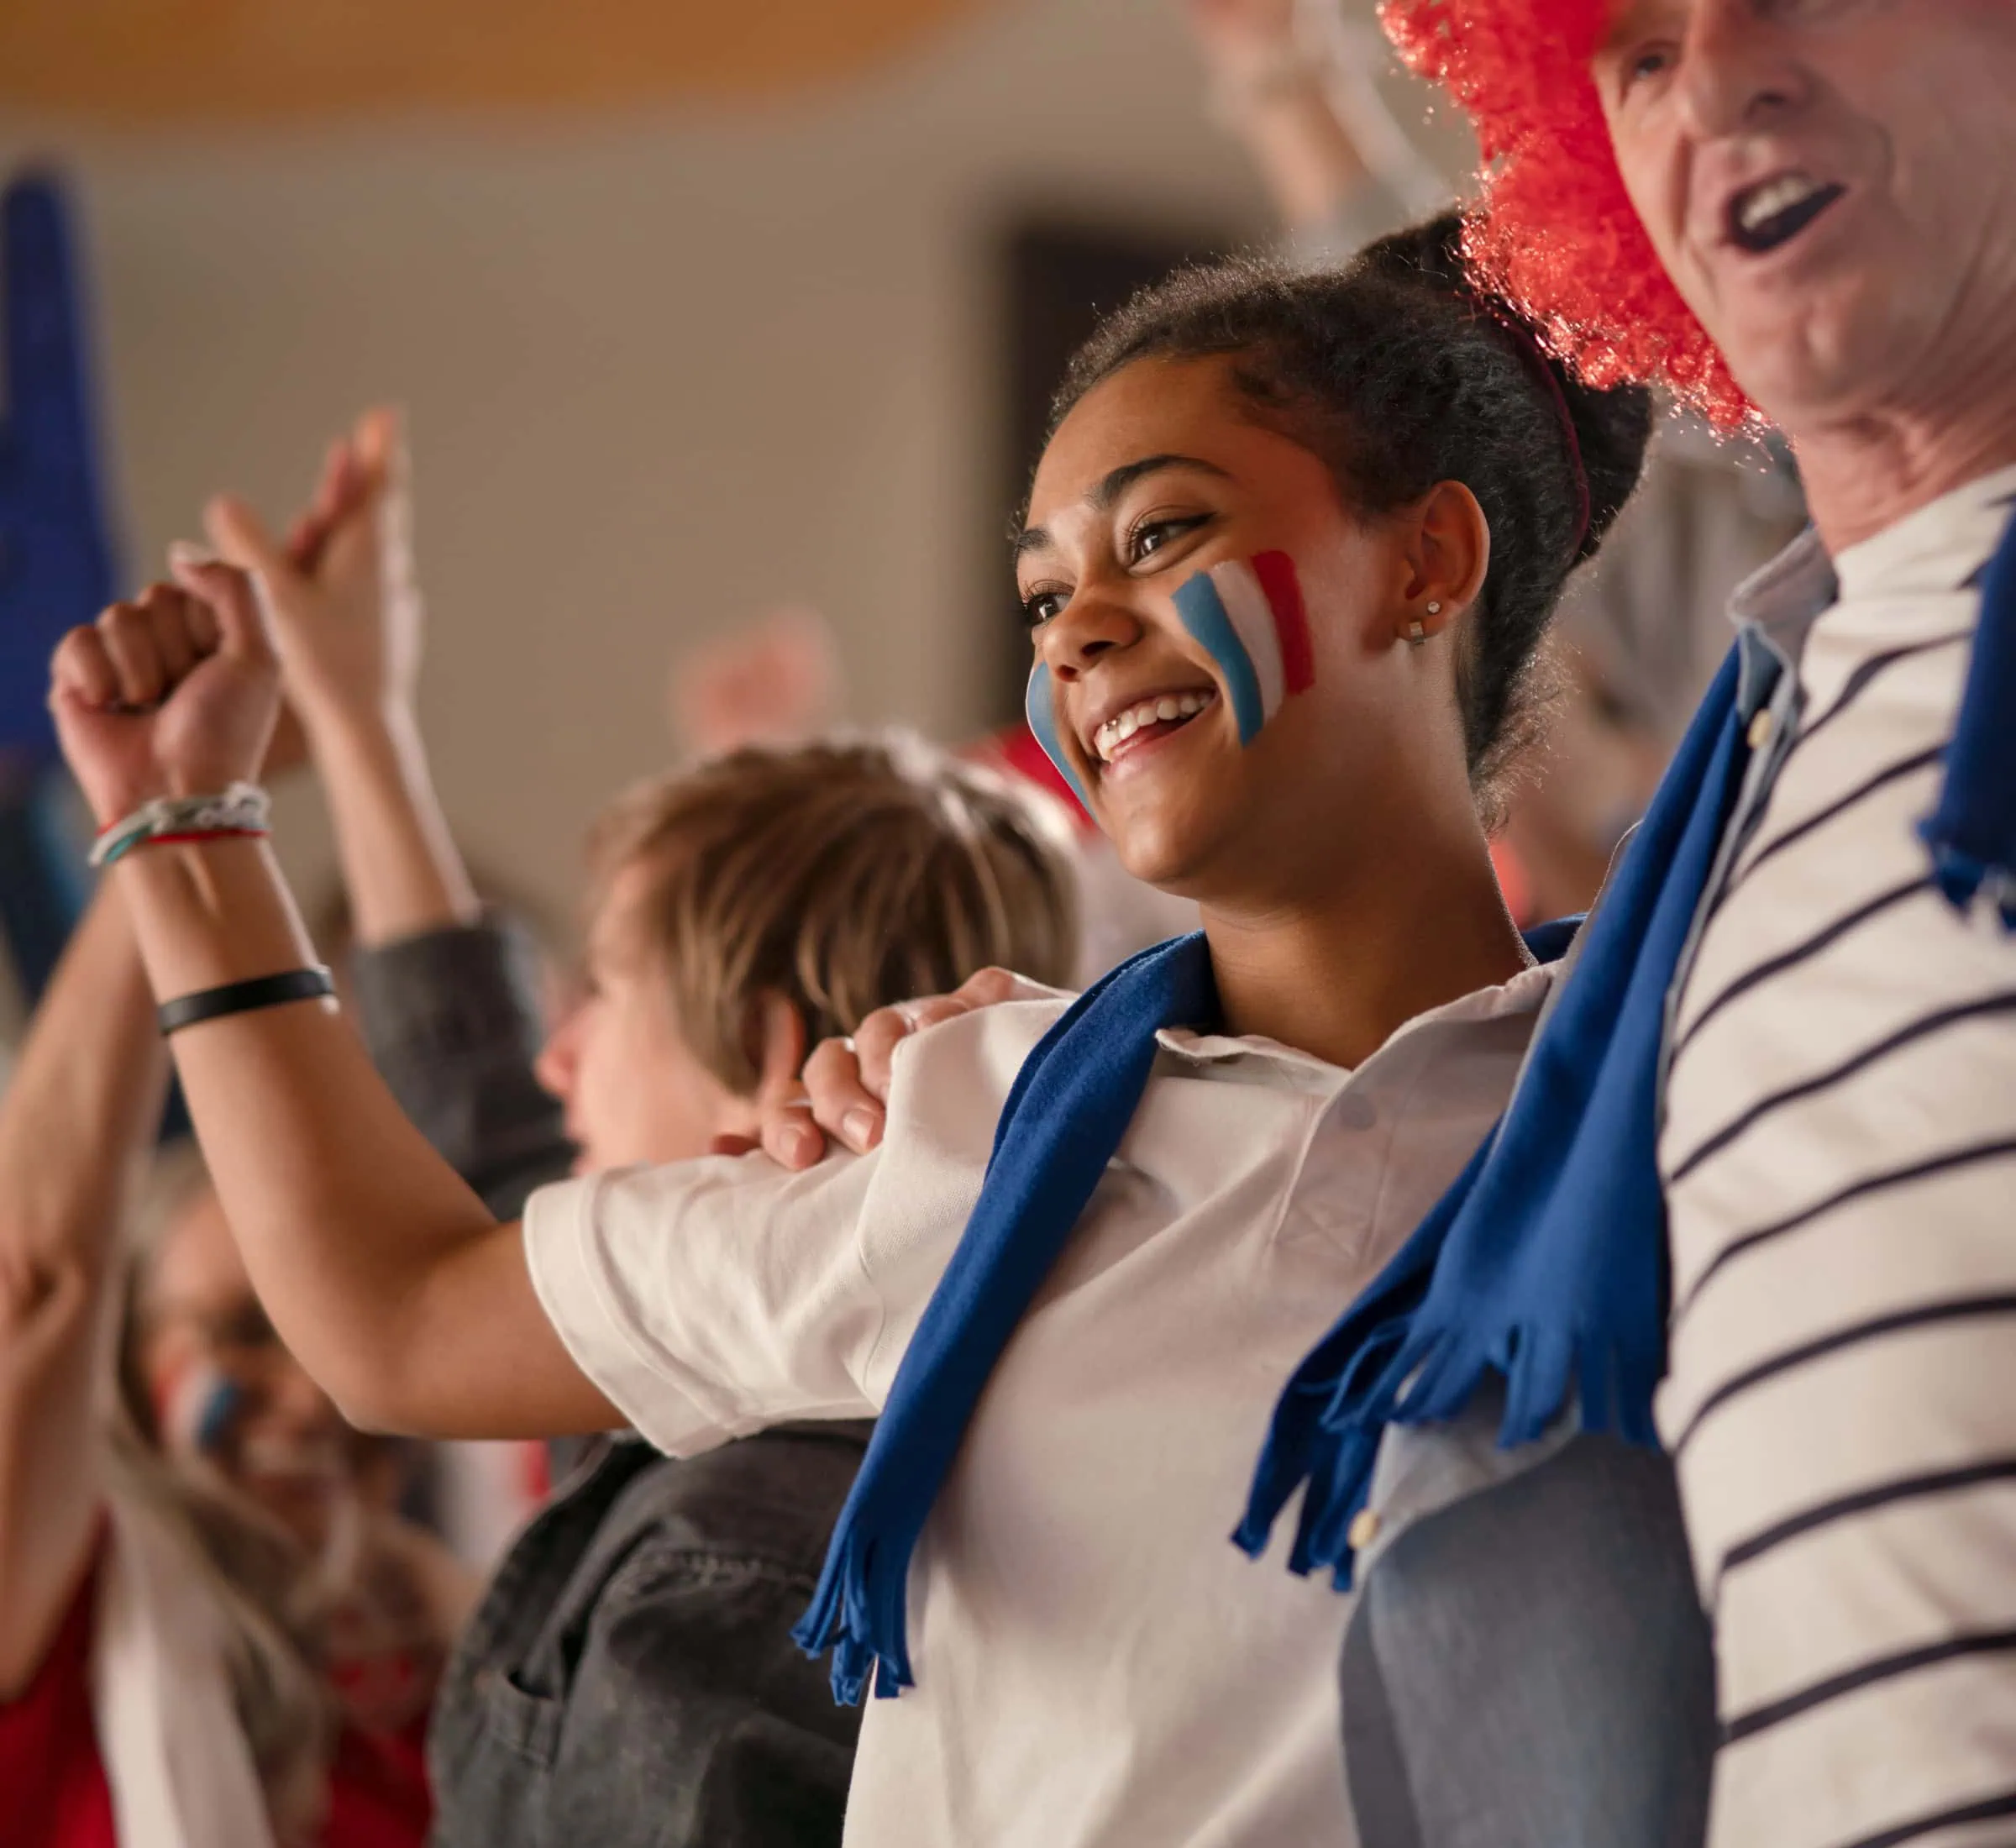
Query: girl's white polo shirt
[[1096, 1664]]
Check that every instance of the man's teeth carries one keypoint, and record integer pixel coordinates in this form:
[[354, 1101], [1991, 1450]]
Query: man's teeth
[[1164, 707], [1760, 208]]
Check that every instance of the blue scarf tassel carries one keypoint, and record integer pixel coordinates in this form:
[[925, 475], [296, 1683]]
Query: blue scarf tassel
[[1973, 831], [1544, 1263]]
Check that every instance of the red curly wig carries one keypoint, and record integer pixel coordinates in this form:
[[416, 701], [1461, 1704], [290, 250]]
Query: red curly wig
[[1555, 230]]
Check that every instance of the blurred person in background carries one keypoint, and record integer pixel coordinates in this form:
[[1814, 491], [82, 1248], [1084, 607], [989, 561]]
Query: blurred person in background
[[630, 1677], [775, 680], [214, 1626], [1296, 83]]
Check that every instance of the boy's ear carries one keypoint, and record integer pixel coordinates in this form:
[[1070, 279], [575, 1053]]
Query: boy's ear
[[779, 1047]]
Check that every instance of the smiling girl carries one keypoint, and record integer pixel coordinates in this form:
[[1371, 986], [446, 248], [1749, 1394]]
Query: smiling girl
[[1288, 559]]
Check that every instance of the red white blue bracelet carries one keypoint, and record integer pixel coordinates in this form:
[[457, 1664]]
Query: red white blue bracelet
[[244, 809]]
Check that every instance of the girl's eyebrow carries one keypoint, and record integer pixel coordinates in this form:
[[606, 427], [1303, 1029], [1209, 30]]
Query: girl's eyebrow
[[1111, 485]]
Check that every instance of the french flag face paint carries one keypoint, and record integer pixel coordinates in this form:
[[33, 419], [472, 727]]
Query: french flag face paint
[[1247, 614], [1042, 708], [197, 1409]]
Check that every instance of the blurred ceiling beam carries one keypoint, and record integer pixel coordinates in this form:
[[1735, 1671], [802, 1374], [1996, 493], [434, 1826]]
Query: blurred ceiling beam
[[202, 62]]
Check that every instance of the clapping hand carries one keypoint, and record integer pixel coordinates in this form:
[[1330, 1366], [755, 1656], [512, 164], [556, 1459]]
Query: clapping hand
[[341, 587]]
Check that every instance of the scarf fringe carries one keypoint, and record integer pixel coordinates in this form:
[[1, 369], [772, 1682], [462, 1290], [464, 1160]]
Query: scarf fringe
[[859, 1598], [1326, 1437], [1971, 833]]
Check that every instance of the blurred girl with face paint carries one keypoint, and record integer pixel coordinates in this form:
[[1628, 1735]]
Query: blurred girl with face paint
[[214, 1625]]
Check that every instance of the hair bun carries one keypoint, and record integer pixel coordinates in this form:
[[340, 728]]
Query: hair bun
[[1432, 251], [1611, 428]]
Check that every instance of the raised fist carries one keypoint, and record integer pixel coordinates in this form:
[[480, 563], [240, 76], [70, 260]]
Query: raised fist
[[1239, 37], [172, 693], [776, 682]]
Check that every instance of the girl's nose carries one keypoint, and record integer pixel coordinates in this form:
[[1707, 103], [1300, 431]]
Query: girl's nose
[[1091, 624]]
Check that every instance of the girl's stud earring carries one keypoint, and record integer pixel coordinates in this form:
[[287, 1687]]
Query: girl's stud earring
[[1435, 609], [1415, 635]]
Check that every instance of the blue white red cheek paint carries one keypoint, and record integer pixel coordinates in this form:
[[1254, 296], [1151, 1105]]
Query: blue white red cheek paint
[[199, 1409], [1042, 708], [1247, 615]]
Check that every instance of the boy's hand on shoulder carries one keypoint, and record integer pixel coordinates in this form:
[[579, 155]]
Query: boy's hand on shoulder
[[846, 1088]]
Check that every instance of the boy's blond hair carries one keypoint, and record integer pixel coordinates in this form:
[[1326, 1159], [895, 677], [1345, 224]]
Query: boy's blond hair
[[842, 876]]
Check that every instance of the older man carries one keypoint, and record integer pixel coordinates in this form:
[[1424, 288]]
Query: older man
[[1810, 209]]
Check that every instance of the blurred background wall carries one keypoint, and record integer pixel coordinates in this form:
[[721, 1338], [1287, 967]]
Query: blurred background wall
[[667, 365]]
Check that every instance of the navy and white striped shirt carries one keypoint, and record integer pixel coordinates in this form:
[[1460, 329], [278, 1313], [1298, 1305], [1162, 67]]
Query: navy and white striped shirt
[[1839, 1150]]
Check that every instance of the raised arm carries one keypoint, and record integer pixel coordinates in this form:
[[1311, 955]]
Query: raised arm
[[1305, 104], [83, 1105], [346, 611], [385, 1275], [447, 1001]]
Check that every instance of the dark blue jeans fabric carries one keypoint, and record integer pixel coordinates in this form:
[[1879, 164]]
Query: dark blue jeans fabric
[[1529, 1667]]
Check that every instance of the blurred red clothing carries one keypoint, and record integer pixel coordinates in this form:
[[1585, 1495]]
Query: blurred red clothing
[[56, 1795]]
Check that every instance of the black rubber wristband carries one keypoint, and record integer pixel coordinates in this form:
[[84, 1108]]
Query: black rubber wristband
[[210, 1003]]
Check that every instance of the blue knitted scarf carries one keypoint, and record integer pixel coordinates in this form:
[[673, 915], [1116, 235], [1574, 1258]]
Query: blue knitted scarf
[[1070, 1105], [1544, 1263]]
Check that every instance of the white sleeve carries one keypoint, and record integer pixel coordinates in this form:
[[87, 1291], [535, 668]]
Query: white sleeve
[[710, 1298]]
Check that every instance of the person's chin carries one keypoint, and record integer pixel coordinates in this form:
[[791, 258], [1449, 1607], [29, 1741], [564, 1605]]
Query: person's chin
[[1843, 357], [1163, 848], [299, 1501]]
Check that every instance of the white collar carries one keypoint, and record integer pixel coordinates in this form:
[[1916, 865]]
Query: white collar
[[1934, 550], [1522, 995]]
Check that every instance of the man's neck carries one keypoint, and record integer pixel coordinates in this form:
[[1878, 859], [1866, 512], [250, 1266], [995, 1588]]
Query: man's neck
[[1864, 475]]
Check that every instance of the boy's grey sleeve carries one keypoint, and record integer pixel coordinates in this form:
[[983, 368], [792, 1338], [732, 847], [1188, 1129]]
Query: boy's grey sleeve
[[451, 1018]]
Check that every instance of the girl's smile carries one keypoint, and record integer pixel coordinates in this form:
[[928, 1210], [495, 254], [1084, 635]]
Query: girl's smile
[[1131, 725]]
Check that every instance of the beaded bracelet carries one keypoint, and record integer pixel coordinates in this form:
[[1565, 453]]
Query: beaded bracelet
[[244, 809]]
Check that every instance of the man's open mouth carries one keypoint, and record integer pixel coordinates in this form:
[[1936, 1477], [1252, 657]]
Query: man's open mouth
[[1774, 212]]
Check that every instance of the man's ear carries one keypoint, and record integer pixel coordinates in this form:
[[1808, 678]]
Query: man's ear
[[1448, 554], [779, 1033]]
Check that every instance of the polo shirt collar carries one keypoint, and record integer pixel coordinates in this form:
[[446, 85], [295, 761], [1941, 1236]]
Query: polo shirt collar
[[1936, 550], [1522, 995]]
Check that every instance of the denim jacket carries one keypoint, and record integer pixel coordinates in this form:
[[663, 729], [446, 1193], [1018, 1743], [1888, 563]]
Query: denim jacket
[[1529, 1664], [629, 1677]]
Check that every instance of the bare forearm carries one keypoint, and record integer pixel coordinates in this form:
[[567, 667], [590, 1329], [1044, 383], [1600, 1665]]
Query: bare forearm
[[1308, 163], [382, 1271], [399, 861], [84, 1099], [1325, 143], [81, 1106]]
